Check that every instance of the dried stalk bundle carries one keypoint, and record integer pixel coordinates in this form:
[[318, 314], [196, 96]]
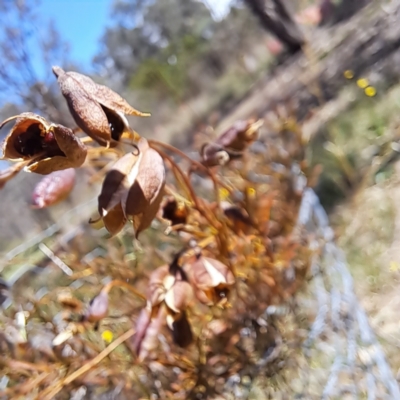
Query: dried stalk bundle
[[189, 308]]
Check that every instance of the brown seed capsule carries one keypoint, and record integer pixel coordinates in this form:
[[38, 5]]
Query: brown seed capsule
[[181, 330], [98, 308], [171, 289], [213, 154], [240, 135], [49, 147], [133, 190], [97, 110], [174, 211], [53, 188], [211, 278], [239, 219]]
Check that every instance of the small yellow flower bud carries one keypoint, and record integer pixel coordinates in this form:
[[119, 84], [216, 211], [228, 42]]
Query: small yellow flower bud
[[370, 91], [362, 83], [348, 74]]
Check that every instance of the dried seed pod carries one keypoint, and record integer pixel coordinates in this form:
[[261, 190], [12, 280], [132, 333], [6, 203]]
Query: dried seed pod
[[239, 219], [49, 147], [240, 135], [174, 211], [213, 154], [53, 188], [171, 289], [211, 278], [97, 110], [148, 326], [181, 330], [98, 308], [133, 189]]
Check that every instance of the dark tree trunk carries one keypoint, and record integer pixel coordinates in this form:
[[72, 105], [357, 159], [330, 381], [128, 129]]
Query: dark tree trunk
[[332, 13], [276, 18], [347, 8]]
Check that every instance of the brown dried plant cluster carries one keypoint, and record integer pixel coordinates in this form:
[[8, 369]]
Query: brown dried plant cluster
[[228, 249]]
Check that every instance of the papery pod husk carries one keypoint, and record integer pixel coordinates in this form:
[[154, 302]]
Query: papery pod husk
[[87, 112], [179, 296], [106, 96], [160, 281], [95, 108], [115, 220], [174, 211], [135, 182], [75, 153], [53, 188], [117, 181], [143, 221], [206, 273], [148, 327], [239, 135], [22, 122], [146, 193], [66, 150], [181, 330]]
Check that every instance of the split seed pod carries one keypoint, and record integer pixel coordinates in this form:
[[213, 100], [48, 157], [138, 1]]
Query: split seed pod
[[239, 135], [133, 190], [96, 109], [211, 278], [50, 147], [173, 291], [174, 211], [53, 188]]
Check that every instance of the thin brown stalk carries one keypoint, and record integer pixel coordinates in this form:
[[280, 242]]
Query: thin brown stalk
[[119, 283], [52, 391], [175, 167], [199, 165]]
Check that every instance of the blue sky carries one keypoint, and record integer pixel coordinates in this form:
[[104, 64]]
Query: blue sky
[[82, 23]]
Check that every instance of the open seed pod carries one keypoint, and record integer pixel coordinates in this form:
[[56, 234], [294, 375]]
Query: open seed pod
[[239, 135], [211, 279], [96, 109], [133, 190], [50, 147]]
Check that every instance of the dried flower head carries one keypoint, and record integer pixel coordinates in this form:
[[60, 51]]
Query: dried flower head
[[50, 147], [96, 109], [133, 190], [211, 278], [53, 188]]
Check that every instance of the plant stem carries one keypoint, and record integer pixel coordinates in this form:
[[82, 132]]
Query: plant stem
[[199, 165], [189, 186], [117, 282]]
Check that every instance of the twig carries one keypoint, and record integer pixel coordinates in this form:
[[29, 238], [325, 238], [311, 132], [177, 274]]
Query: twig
[[56, 260], [50, 393]]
